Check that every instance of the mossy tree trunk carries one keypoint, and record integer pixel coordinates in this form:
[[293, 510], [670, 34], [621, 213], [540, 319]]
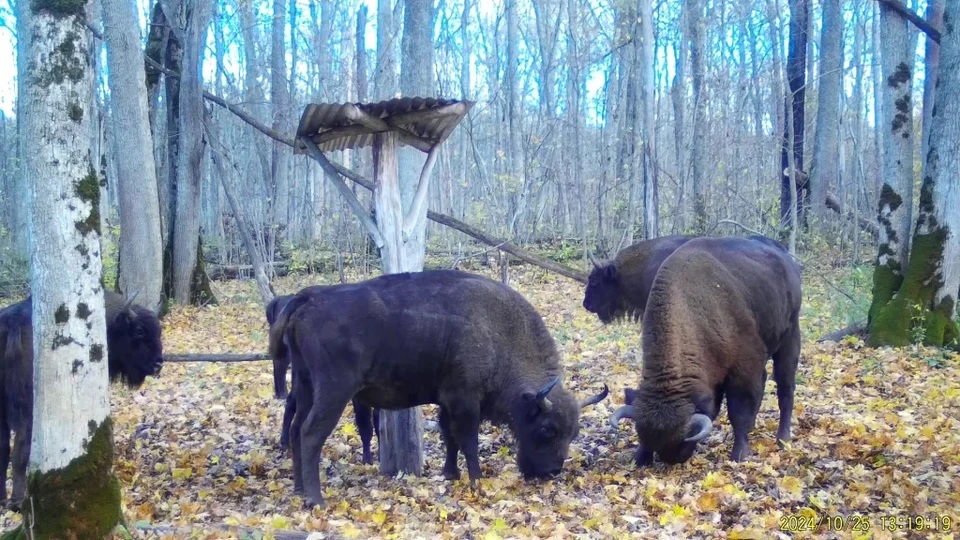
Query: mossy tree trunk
[[925, 307], [896, 194], [71, 491]]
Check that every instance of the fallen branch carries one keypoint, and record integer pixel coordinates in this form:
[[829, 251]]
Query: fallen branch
[[857, 328], [227, 358], [909, 15], [233, 530]]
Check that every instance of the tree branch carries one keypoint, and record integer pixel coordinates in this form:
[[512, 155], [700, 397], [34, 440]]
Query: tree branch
[[865, 224], [856, 328], [917, 20]]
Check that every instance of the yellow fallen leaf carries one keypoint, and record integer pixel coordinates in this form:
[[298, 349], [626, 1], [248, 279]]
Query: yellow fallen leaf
[[379, 517], [791, 484]]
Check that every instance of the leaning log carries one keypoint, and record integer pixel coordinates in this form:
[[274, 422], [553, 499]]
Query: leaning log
[[857, 328], [227, 358]]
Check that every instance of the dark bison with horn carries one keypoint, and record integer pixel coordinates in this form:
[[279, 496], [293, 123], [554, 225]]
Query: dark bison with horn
[[619, 288], [134, 352], [472, 346], [366, 419], [718, 309]]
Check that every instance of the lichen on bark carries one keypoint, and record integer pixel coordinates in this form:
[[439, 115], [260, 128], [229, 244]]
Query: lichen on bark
[[81, 500]]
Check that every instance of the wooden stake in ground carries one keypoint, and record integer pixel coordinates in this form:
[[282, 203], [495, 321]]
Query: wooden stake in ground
[[71, 490]]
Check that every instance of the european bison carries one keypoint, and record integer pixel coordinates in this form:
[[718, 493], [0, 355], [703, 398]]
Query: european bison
[[718, 309], [134, 352], [619, 288], [472, 346], [366, 420]]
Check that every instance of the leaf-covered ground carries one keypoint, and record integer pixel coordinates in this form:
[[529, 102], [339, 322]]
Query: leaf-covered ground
[[876, 435]]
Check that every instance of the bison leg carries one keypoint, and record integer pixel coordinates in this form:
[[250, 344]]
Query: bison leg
[[785, 374], [450, 469], [4, 455], [304, 394], [21, 455], [328, 405], [289, 409], [364, 421], [742, 406], [643, 457], [465, 427]]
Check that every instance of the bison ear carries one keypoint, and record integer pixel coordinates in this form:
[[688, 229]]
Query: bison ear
[[611, 273], [529, 405], [629, 395]]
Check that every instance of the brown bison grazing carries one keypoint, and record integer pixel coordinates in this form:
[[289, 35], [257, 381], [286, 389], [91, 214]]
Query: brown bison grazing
[[619, 288], [718, 309], [472, 346], [366, 420], [134, 352]]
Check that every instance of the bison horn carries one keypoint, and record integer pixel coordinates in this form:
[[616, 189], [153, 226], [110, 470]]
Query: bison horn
[[545, 404], [129, 302], [703, 424], [593, 400], [594, 260], [621, 413]]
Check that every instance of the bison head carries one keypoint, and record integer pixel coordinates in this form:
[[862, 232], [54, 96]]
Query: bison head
[[545, 423], [670, 430], [133, 343], [281, 363], [603, 294]]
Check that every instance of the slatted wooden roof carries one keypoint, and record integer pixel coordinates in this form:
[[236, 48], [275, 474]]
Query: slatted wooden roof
[[420, 122]]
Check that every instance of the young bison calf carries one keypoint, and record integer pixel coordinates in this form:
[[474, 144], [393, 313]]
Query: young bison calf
[[718, 309], [134, 352], [472, 346]]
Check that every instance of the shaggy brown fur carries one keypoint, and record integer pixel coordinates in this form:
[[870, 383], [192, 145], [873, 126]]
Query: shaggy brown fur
[[134, 352], [718, 309], [472, 346], [619, 289]]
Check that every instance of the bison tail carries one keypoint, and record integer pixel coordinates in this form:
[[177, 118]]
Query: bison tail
[[277, 348]]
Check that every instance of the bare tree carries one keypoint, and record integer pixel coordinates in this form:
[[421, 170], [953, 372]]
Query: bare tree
[[824, 168], [71, 457], [651, 193], [695, 31], [141, 248], [187, 265], [793, 130], [279, 98]]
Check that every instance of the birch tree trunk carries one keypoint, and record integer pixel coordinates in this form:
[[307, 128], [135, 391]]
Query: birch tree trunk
[[896, 195], [931, 70], [932, 278], [187, 266], [72, 492], [824, 169], [141, 249]]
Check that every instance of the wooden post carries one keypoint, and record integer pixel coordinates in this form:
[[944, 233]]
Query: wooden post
[[401, 432]]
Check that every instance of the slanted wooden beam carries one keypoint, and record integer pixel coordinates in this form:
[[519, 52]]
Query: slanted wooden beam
[[420, 198], [347, 193], [377, 125]]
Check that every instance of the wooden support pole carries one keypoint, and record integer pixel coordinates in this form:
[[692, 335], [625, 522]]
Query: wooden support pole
[[420, 198]]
